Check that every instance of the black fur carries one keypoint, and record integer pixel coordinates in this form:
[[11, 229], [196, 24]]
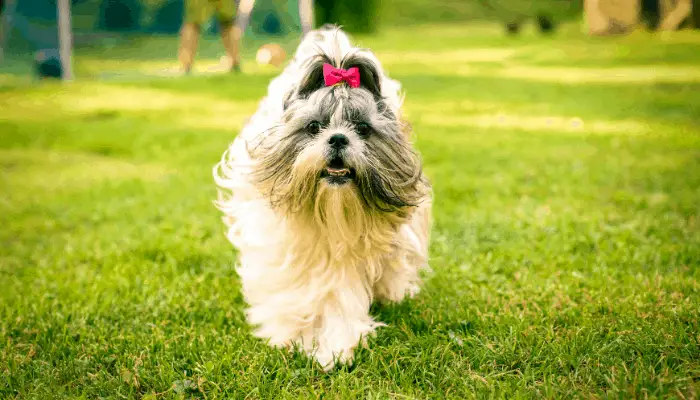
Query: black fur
[[314, 79], [369, 76]]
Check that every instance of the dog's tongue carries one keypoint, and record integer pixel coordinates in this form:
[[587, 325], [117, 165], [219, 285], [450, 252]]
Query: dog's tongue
[[337, 170]]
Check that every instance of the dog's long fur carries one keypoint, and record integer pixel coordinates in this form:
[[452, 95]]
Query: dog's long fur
[[313, 254]]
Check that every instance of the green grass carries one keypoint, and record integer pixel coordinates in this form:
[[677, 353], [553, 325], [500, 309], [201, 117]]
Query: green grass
[[566, 248]]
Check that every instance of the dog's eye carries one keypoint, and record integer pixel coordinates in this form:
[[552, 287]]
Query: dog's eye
[[314, 127], [363, 129]]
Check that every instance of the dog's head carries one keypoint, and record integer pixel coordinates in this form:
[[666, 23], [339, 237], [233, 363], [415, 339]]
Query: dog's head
[[339, 148]]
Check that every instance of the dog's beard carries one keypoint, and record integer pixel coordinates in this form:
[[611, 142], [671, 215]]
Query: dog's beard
[[345, 193]]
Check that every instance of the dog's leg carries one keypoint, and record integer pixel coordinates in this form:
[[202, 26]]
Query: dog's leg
[[330, 338], [327, 322], [401, 272], [400, 279], [344, 324]]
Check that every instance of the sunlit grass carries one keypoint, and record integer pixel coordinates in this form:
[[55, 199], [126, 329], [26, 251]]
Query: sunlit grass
[[535, 124], [451, 58], [92, 101], [33, 170], [566, 246], [645, 74]]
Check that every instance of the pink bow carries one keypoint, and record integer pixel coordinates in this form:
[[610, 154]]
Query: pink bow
[[333, 75]]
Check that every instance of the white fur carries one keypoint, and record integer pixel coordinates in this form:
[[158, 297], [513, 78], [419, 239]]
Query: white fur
[[311, 284]]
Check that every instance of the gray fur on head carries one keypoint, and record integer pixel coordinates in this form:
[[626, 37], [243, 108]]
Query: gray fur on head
[[385, 169]]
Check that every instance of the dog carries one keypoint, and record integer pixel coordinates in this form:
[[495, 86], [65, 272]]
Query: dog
[[324, 196]]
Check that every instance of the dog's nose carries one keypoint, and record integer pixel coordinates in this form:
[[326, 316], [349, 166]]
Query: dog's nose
[[338, 141]]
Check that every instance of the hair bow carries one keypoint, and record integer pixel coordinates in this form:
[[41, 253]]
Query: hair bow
[[334, 76]]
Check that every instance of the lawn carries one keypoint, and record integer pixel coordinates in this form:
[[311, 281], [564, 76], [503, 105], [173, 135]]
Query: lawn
[[566, 245]]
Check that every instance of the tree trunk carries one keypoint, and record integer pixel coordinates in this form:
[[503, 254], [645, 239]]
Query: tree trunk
[[65, 35], [306, 15]]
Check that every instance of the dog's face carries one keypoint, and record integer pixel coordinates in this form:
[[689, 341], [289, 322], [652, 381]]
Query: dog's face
[[340, 141]]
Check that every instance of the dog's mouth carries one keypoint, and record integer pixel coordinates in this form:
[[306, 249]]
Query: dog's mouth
[[337, 172]]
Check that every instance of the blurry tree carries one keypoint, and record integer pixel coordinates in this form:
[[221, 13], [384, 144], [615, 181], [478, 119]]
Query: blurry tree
[[406, 12], [353, 15], [120, 15], [547, 14], [274, 17], [651, 13], [545, 23], [167, 16], [33, 26]]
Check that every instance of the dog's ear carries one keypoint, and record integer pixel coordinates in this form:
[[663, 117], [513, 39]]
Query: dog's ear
[[370, 77], [313, 79]]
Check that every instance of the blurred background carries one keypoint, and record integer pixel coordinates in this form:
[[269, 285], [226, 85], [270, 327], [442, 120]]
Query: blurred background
[[139, 37]]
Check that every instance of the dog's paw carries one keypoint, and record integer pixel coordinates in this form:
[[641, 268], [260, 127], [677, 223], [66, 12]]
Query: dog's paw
[[329, 359], [333, 352], [412, 291], [398, 293]]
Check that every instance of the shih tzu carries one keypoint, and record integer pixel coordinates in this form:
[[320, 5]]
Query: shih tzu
[[324, 197]]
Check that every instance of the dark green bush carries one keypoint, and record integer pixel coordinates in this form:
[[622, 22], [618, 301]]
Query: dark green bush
[[168, 17], [520, 10], [273, 18], [120, 15], [360, 16]]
